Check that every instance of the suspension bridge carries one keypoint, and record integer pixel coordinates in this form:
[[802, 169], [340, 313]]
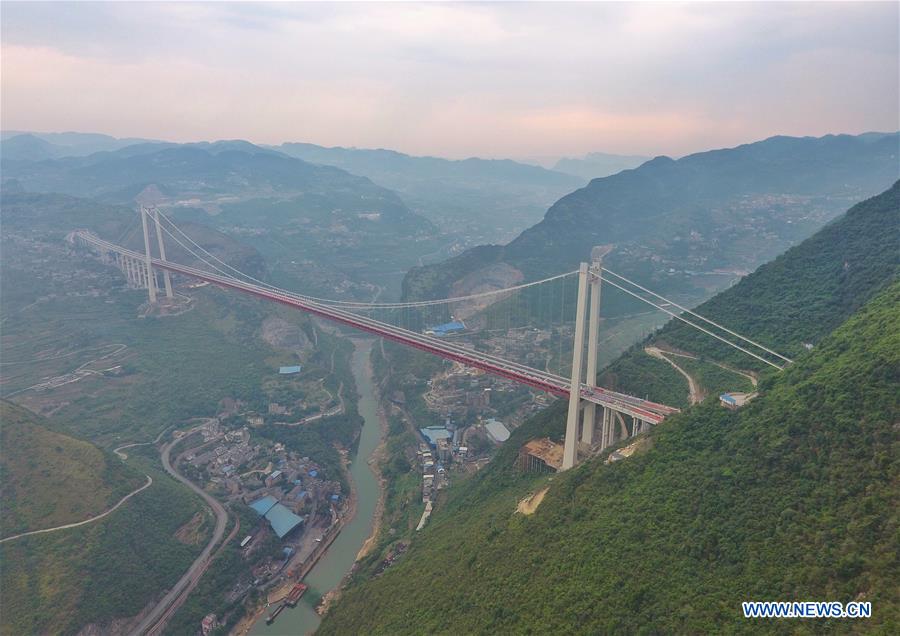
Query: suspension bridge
[[597, 417]]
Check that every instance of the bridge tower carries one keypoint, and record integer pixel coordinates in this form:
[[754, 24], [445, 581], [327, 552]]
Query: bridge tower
[[151, 277], [582, 413], [167, 279]]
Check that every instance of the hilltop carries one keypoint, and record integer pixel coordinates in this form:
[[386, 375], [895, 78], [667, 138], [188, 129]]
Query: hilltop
[[595, 165], [792, 497]]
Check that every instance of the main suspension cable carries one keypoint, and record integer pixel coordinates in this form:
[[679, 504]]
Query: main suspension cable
[[696, 315], [685, 320]]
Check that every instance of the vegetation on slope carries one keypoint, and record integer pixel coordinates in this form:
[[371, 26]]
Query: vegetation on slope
[[637, 373], [129, 557], [809, 290], [793, 497], [49, 479]]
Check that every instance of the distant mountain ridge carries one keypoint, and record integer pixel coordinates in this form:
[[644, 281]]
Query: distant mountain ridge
[[197, 168], [22, 145], [319, 227], [486, 198], [598, 164], [389, 162], [678, 224]]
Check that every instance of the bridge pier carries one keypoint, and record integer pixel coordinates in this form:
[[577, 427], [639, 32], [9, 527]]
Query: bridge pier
[[606, 432], [128, 269]]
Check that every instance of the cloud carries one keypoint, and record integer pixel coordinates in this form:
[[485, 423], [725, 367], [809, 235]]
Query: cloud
[[454, 79]]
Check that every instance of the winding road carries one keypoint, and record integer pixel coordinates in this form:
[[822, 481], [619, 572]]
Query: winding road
[[86, 521], [695, 395], [155, 620]]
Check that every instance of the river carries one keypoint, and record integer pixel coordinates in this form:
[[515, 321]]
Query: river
[[331, 568]]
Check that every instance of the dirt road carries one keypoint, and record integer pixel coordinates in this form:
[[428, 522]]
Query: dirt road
[[695, 395], [86, 521]]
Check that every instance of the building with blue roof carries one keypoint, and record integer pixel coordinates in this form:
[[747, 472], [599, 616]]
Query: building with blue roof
[[262, 506], [282, 520], [446, 329], [290, 370], [434, 433], [279, 517]]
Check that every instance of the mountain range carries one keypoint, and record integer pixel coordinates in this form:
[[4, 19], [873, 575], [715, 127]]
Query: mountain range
[[694, 225], [35, 146], [321, 228], [485, 199]]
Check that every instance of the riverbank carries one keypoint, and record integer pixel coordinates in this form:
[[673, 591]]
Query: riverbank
[[327, 575], [374, 463]]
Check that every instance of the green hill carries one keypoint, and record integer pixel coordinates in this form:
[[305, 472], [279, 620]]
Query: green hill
[[129, 557], [791, 498], [49, 479]]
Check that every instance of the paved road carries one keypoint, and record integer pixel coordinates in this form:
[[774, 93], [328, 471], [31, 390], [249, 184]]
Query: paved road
[[155, 620], [86, 521]]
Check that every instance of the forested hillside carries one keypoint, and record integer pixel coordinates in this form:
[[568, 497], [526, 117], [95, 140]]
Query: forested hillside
[[49, 479], [793, 497]]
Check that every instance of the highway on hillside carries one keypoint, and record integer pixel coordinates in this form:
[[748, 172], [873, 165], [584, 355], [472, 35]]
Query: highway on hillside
[[174, 598]]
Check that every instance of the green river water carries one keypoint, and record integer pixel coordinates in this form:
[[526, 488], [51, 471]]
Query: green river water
[[332, 567]]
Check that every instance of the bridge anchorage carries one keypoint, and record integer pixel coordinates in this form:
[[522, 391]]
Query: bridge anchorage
[[597, 417]]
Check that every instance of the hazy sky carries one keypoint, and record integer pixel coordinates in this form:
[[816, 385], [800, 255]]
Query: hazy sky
[[454, 79]]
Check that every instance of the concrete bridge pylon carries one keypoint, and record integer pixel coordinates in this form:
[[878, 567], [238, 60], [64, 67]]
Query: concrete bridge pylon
[[167, 278], [581, 424], [148, 263]]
